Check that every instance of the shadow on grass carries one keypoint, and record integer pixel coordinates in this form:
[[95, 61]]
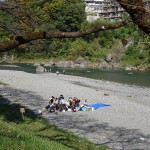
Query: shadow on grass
[[11, 113], [13, 100], [61, 139]]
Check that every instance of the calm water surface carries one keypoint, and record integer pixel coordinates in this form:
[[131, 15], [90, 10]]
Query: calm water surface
[[120, 76]]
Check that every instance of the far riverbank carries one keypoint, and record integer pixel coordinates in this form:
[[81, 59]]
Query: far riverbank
[[138, 78]]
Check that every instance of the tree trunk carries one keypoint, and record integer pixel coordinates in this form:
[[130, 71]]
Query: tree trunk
[[139, 10]]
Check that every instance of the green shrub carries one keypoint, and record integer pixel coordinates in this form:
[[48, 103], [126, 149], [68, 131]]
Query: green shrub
[[80, 48]]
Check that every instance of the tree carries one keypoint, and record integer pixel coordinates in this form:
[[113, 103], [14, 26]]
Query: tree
[[139, 10], [31, 16]]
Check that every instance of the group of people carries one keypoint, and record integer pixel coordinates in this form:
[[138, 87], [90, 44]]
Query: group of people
[[60, 104]]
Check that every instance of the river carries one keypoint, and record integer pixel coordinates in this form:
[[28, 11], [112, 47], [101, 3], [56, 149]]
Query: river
[[121, 76]]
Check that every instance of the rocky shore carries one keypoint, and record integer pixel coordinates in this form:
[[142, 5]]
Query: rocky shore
[[81, 63], [123, 125]]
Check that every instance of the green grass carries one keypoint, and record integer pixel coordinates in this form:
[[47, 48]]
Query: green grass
[[35, 133]]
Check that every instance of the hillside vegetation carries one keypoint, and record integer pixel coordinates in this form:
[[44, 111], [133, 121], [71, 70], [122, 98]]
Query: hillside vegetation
[[128, 46]]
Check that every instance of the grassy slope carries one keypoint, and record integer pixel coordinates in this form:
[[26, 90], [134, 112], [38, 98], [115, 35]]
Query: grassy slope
[[34, 133]]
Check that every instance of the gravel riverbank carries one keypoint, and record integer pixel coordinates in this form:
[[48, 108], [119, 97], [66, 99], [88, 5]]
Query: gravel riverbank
[[123, 125]]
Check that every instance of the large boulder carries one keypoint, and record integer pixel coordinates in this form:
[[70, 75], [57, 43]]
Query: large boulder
[[68, 64], [8, 57], [36, 64], [115, 65], [65, 64], [82, 66], [47, 65], [40, 69], [104, 65], [53, 63], [61, 63], [108, 57], [79, 61], [128, 68]]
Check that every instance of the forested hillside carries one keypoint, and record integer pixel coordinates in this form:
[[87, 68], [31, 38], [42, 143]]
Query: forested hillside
[[125, 46]]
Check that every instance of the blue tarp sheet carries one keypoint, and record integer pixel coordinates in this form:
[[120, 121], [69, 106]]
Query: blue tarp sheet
[[98, 105]]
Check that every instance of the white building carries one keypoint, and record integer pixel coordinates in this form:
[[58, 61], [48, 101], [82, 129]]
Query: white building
[[103, 9]]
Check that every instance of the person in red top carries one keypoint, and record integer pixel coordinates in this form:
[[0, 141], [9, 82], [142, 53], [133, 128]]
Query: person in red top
[[74, 99]]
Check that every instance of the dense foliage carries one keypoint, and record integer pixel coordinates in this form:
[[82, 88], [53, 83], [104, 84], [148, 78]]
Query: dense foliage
[[128, 45]]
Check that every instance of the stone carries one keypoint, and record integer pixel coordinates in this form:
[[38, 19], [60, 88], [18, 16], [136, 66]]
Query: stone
[[108, 58], [47, 65], [40, 69], [79, 61], [103, 65], [106, 94], [36, 64], [115, 65], [128, 69], [68, 64], [82, 66], [61, 64], [53, 63]]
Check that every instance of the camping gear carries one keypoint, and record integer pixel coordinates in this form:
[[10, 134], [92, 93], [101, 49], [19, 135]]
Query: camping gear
[[97, 105]]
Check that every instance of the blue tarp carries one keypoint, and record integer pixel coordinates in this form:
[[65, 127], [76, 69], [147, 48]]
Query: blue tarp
[[98, 105]]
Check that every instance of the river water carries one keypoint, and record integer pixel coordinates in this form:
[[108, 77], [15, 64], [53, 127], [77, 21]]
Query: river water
[[121, 76]]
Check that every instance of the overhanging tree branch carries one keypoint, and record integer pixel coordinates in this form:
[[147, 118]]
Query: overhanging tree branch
[[139, 10], [19, 40]]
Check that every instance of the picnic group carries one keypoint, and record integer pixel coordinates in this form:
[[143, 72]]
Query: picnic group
[[59, 104]]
